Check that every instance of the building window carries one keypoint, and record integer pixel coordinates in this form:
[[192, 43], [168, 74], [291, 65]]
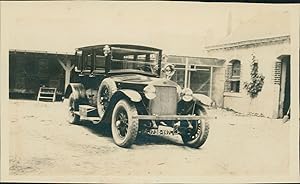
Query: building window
[[233, 76], [236, 69], [235, 86], [200, 80], [179, 75]]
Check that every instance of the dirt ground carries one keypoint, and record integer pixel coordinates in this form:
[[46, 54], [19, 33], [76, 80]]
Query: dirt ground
[[42, 143]]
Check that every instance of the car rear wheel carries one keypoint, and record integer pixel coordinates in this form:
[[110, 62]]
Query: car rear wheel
[[196, 136], [124, 125], [72, 105]]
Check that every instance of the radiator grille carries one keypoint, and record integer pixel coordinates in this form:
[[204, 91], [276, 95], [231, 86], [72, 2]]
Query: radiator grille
[[165, 102]]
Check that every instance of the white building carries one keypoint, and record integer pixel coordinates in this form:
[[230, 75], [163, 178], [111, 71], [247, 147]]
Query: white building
[[267, 37]]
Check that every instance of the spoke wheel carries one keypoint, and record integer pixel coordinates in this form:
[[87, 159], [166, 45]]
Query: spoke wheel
[[72, 105], [105, 92], [124, 126], [122, 122], [104, 97], [196, 136]]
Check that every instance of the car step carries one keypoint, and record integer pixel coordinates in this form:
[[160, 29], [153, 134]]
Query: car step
[[87, 112]]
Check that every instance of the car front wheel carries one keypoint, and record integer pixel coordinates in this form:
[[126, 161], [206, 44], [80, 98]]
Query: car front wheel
[[196, 136], [124, 125]]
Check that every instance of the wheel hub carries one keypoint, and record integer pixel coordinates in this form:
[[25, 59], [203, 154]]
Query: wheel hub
[[122, 122], [195, 131]]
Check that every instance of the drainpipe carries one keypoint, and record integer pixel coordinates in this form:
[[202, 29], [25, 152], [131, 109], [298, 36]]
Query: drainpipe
[[210, 82], [186, 73]]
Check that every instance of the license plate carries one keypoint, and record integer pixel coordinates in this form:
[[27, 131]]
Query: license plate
[[161, 130]]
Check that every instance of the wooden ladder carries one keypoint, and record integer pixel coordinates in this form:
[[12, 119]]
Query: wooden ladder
[[47, 93]]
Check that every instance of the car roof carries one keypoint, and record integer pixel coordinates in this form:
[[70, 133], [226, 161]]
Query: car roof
[[127, 46]]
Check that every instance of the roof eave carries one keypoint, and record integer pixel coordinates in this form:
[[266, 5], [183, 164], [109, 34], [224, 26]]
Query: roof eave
[[248, 42], [121, 46], [41, 52]]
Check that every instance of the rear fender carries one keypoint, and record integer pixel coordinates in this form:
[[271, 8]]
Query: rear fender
[[77, 89]]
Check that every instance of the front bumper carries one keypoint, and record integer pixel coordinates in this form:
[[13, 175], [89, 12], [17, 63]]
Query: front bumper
[[172, 117]]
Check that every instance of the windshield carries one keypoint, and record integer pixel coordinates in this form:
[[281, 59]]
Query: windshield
[[132, 60]]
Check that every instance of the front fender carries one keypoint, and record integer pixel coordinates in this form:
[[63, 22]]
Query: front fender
[[198, 102], [202, 99], [77, 89], [131, 94]]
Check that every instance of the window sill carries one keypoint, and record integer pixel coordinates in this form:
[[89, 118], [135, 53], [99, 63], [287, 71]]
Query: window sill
[[232, 94]]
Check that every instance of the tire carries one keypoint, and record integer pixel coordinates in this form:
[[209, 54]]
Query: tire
[[105, 92], [198, 135], [72, 105], [123, 126]]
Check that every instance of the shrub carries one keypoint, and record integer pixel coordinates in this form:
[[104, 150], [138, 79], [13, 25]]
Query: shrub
[[255, 85]]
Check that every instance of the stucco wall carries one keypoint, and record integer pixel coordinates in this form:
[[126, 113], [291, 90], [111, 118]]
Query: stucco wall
[[218, 86], [267, 101]]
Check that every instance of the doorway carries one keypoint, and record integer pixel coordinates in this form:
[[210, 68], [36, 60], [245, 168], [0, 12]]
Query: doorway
[[285, 86]]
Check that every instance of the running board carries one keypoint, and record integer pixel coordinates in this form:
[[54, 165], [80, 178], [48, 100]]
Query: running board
[[87, 112]]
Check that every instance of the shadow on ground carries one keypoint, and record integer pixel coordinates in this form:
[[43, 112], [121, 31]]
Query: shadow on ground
[[104, 130], [145, 139], [101, 129]]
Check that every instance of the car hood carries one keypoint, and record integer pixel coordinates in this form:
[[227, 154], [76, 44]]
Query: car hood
[[142, 79]]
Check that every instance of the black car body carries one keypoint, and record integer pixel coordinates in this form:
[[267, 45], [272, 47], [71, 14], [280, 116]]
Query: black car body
[[127, 86]]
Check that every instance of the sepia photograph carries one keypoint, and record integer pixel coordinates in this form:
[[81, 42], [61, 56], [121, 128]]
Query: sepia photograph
[[149, 92]]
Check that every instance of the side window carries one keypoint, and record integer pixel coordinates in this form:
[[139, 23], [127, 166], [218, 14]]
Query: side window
[[232, 83], [79, 60], [129, 64], [88, 63], [117, 61], [87, 60], [129, 57], [141, 57], [99, 62], [153, 57]]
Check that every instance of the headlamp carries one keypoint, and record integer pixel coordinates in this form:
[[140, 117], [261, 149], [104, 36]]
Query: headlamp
[[187, 94], [150, 92]]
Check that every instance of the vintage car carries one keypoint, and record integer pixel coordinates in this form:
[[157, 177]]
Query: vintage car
[[126, 86]]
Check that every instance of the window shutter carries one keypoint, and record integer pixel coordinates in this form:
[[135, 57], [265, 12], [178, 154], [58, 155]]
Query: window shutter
[[228, 74], [277, 72]]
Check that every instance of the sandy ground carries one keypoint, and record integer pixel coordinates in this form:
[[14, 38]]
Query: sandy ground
[[42, 143]]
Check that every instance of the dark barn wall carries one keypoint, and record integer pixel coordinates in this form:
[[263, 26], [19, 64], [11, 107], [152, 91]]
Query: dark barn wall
[[29, 71], [22, 74]]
